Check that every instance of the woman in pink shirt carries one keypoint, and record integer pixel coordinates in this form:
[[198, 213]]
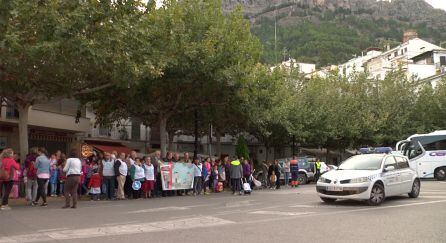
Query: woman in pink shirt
[[9, 165]]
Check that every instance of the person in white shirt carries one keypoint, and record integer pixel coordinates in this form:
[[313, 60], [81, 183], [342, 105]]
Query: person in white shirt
[[73, 170], [149, 171], [123, 170], [108, 174]]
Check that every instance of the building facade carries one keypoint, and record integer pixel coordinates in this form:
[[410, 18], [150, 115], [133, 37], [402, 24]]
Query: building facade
[[52, 125]]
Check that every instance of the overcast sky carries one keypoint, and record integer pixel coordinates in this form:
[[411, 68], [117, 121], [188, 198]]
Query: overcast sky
[[437, 3]]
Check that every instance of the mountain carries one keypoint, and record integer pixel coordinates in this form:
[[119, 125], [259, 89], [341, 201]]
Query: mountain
[[332, 31]]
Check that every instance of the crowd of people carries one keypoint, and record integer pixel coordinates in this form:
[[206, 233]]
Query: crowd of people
[[119, 176]]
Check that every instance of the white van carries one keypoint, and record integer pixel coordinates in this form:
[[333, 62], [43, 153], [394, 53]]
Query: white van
[[426, 153]]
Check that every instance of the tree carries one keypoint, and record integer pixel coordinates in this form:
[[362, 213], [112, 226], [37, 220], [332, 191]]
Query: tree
[[208, 53], [268, 101], [55, 49]]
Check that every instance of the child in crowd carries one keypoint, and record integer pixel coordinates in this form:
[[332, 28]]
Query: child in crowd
[[215, 177], [137, 174], [62, 179], [54, 178], [94, 185], [149, 184], [206, 169]]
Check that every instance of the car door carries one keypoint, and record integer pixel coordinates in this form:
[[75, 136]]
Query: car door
[[405, 174], [390, 177]]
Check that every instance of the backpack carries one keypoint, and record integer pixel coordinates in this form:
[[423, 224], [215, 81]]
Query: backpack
[[116, 166], [32, 171], [4, 175]]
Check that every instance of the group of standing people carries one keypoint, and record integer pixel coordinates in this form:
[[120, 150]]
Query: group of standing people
[[272, 173], [37, 172], [113, 176]]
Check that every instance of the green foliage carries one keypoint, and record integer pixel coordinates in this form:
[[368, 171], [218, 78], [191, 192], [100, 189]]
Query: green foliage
[[333, 37], [241, 150]]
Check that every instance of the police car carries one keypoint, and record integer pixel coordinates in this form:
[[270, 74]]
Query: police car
[[369, 177]]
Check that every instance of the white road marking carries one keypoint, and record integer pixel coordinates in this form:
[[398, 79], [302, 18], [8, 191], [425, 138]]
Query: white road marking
[[55, 229], [281, 213], [118, 230], [151, 210], [343, 211], [433, 197]]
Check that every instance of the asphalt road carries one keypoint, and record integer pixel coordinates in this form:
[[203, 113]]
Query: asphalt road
[[286, 215]]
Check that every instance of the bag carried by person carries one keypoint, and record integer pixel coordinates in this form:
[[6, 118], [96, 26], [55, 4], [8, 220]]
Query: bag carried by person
[[4, 175], [256, 182], [246, 187], [32, 172], [220, 187]]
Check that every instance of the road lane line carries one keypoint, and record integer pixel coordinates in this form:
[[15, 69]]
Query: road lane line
[[87, 233], [340, 212], [281, 213]]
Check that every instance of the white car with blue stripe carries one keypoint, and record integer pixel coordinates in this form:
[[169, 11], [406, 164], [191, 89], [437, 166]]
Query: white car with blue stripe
[[370, 178]]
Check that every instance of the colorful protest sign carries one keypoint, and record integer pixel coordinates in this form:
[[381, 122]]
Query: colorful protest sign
[[177, 176]]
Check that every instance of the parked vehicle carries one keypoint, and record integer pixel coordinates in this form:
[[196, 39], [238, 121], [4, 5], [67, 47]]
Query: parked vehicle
[[426, 153], [371, 178], [306, 170]]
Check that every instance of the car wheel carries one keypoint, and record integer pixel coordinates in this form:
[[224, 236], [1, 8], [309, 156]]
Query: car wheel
[[416, 186], [440, 173], [302, 178], [377, 195], [328, 200]]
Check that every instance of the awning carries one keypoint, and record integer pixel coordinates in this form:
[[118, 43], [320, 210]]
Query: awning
[[110, 147]]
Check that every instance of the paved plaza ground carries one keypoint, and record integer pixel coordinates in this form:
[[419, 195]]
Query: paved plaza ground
[[286, 215]]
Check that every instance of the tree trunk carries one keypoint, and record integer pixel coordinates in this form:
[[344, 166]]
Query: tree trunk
[[163, 136], [218, 143], [23, 130], [196, 134], [170, 135], [266, 152]]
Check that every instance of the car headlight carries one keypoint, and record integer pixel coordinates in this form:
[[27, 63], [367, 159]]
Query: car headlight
[[324, 180], [359, 180]]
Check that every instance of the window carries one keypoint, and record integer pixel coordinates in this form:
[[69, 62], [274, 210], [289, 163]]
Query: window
[[395, 53], [402, 162], [437, 145], [443, 61], [103, 131], [390, 161], [405, 49], [12, 112], [412, 151]]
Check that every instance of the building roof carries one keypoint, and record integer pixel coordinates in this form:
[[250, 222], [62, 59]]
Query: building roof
[[427, 53]]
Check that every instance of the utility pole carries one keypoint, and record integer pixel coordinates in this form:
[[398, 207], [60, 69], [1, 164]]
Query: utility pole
[[210, 140], [294, 145], [196, 134]]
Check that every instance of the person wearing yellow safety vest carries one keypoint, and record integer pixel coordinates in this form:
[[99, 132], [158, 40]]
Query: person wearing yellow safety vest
[[318, 169], [236, 172]]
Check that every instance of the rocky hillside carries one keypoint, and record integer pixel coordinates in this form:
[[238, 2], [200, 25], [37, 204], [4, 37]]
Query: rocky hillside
[[332, 31]]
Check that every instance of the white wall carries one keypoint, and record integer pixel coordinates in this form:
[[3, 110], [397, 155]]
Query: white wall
[[420, 71]]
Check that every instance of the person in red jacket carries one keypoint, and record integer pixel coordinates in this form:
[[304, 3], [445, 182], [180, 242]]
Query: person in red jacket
[[95, 185], [9, 165]]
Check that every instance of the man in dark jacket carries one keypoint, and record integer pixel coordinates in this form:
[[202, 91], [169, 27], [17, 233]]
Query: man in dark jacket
[[236, 172]]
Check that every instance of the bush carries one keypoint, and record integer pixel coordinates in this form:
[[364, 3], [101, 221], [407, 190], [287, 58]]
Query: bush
[[242, 148]]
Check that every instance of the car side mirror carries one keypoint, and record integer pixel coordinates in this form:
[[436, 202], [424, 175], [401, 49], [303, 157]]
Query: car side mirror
[[389, 168]]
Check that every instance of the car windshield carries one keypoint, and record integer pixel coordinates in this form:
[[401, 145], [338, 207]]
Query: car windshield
[[362, 162]]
